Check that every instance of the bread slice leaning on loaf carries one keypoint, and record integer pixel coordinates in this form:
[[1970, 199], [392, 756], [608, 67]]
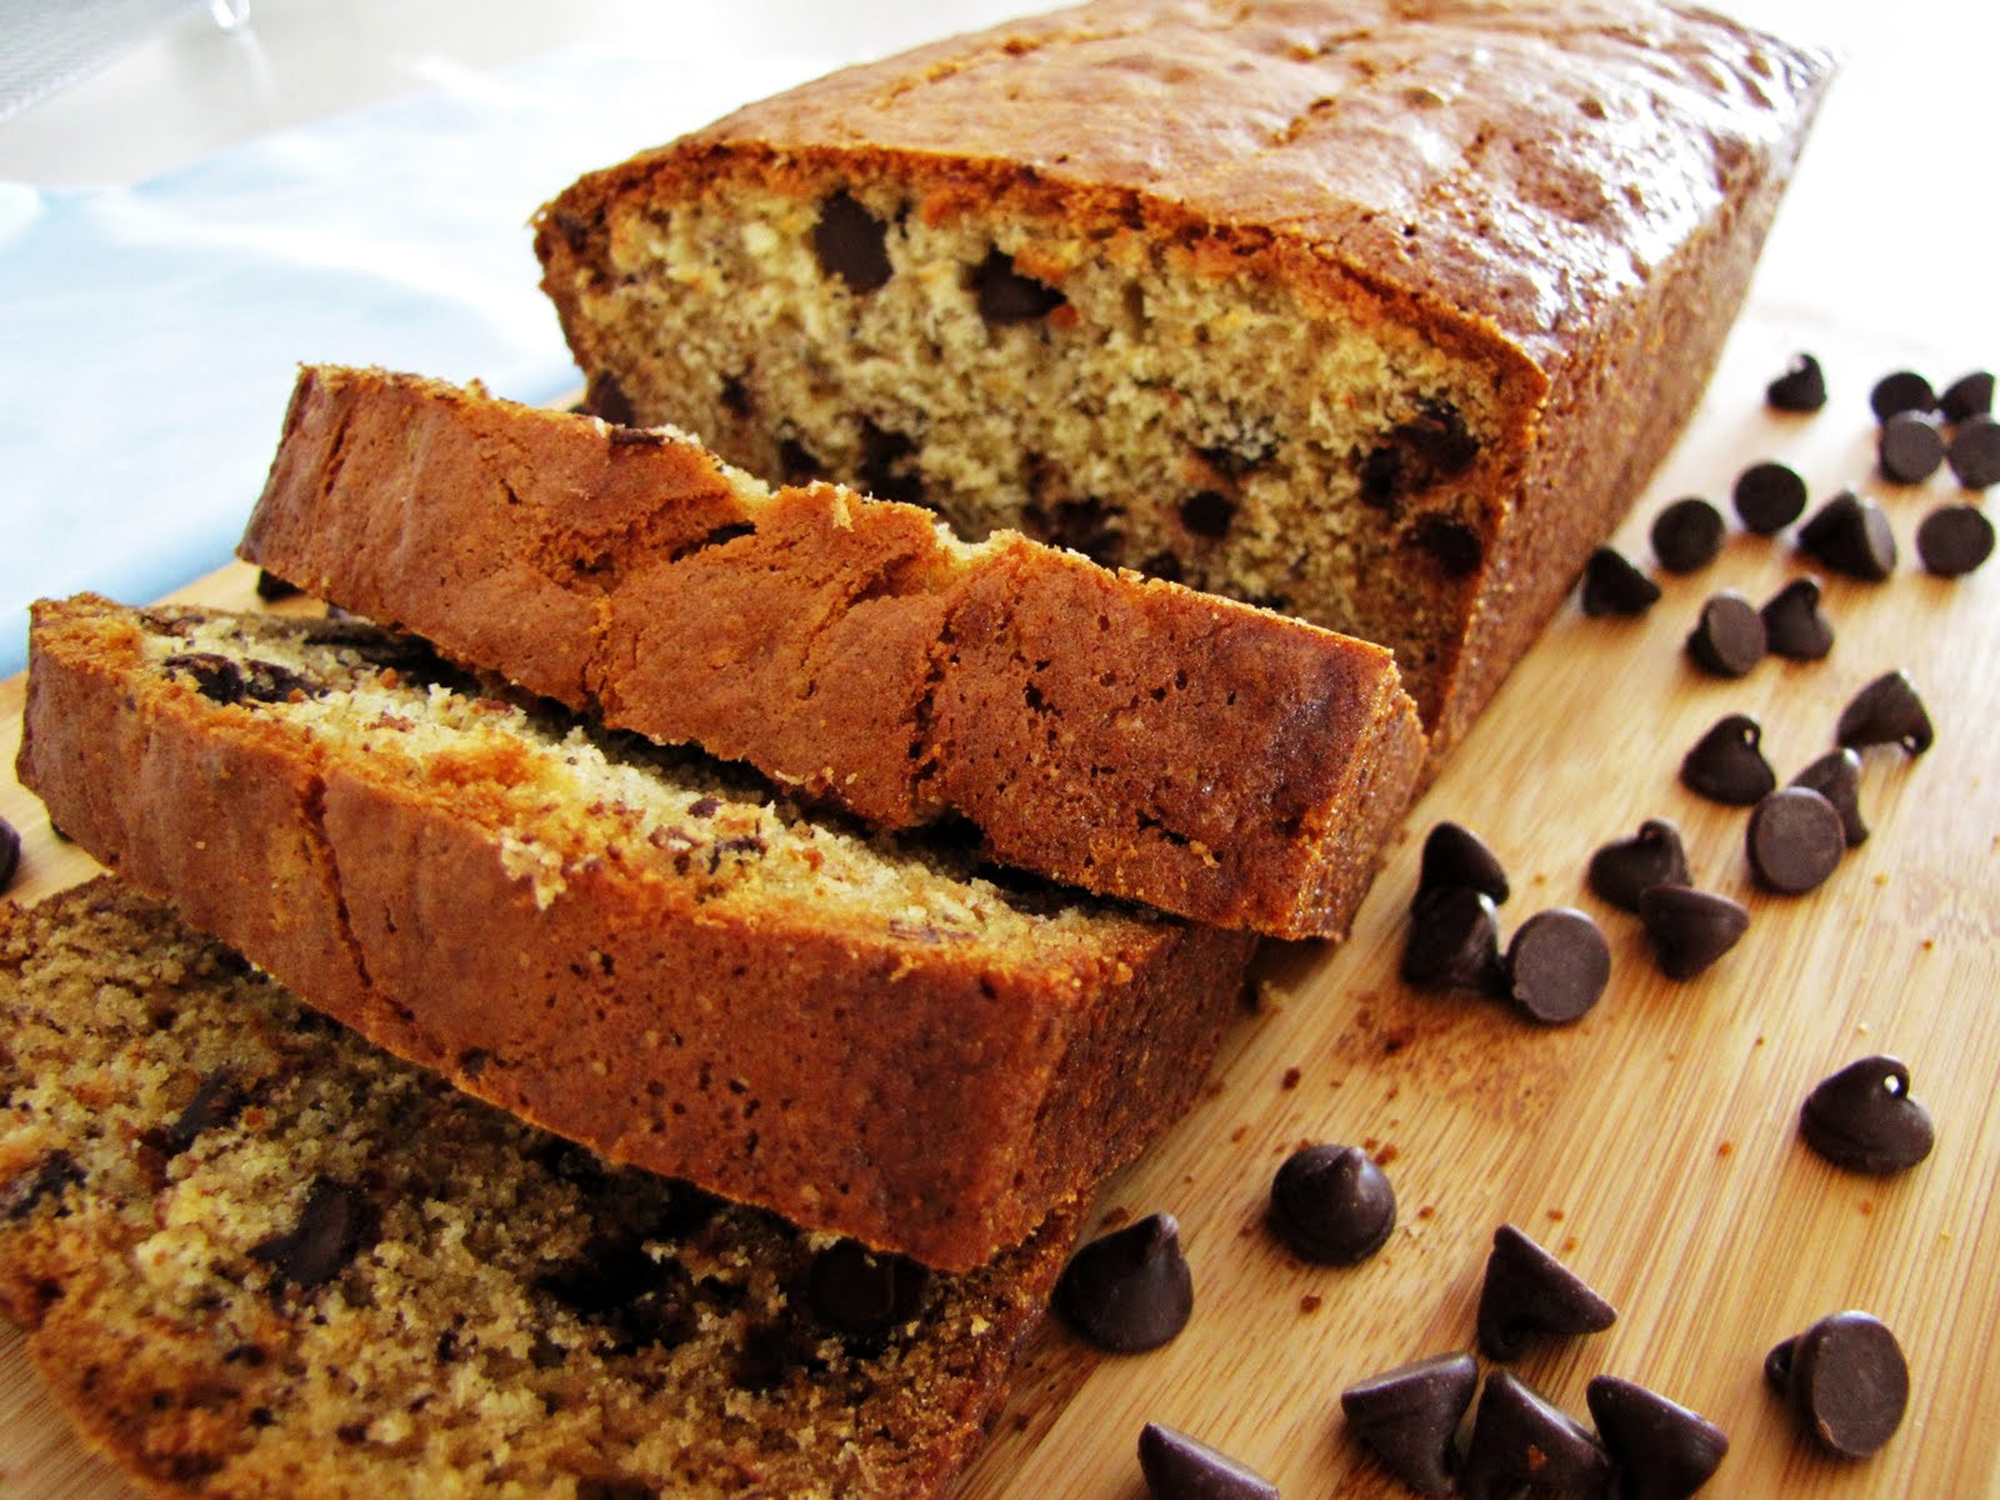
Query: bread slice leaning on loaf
[[255, 1257], [1127, 736], [1377, 313], [631, 948]]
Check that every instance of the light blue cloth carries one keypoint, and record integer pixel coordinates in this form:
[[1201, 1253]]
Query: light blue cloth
[[149, 335]]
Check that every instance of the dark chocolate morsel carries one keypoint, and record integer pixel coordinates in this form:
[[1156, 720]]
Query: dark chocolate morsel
[[10, 853], [1795, 840], [1836, 776], [1910, 447], [1794, 628], [1905, 390], [333, 1227], [1557, 965], [1528, 1293], [1453, 545], [271, 588], [224, 680], [1846, 1381], [1612, 586], [216, 1101], [1727, 763], [1801, 388], [1687, 535], [854, 1290], [43, 1180], [1769, 496], [1663, 1451], [1519, 1439], [1974, 453], [1455, 855], [1728, 637], [1006, 296], [640, 1301], [1332, 1204], [1954, 539], [1179, 1468], [1408, 1416], [1886, 712], [1623, 871], [1453, 942], [604, 397], [1863, 1118], [852, 243], [1971, 395], [1690, 929], [1208, 513], [1852, 536], [1129, 1290]]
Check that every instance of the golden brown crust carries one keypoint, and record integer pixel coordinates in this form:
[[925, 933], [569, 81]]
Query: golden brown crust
[[1133, 738]]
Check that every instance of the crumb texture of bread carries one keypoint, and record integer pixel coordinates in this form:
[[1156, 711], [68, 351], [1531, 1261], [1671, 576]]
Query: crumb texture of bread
[[644, 950], [1379, 314], [256, 1256], [1128, 736]]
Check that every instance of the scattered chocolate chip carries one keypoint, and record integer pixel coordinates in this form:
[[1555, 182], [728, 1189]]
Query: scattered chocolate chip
[[225, 681], [1179, 1468], [1453, 942], [886, 470], [636, 437], [1557, 965], [605, 398], [1910, 447], [1408, 1416], [1836, 776], [1208, 513], [1970, 395], [1905, 390], [1612, 586], [216, 1101], [1886, 712], [1687, 535], [335, 1224], [1006, 296], [1852, 536], [1800, 388], [1332, 1204], [1795, 840], [1663, 1451], [1528, 1293], [1728, 636], [798, 464], [1519, 1439], [614, 1283], [1129, 1290], [1954, 539], [735, 397], [47, 1178], [1163, 565], [1690, 929], [271, 588], [854, 1290], [1974, 454], [1794, 628], [1846, 1380], [1453, 545], [1623, 871], [1455, 855], [1727, 763], [615, 1487], [704, 807], [1417, 454], [1769, 497], [1863, 1118], [10, 853], [852, 243]]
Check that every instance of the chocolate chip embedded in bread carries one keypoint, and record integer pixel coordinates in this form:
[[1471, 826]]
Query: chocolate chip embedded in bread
[[1953, 540], [615, 1284], [1795, 840], [1690, 929], [1130, 1290], [1728, 637], [1886, 712], [1852, 536], [852, 244], [271, 588], [1612, 586], [1528, 1294], [1006, 296], [1687, 535], [853, 1290], [43, 1181], [1624, 870], [216, 1102], [1727, 763], [10, 853], [605, 398], [1456, 856], [1910, 447], [1863, 1118], [1794, 627], [1177, 1467], [1901, 391], [1407, 1417], [1846, 1380], [1208, 513], [798, 464], [1974, 454], [1417, 454], [224, 680], [886, 471], [1663, 1450], [1802, 388], [1455, 546], [1557, 966], [1971, 395], [1519, 1439], [1453, 942], [1332, 1204], [1769, 496], [336, 1223], [1836, 776]]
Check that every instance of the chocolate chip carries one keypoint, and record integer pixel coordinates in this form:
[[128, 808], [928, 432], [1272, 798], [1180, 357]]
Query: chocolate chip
[[335, 1224], [1557, 965], [1519, 1439], [1417, 454], [614, 1283], [1886, 712], [1163, 565], [1006, 296], [1687, 535], [606, 398], [1794, 628], [1800, 388], [798, 464], [1905, 390], [1455, 855], [1455, 546], [1332, 1204], [1612, 586], [1769, 497], [1663, 1450], [225, 681], [52, 1174], [1795, 840], [615, 1487], [1129, 1290], [1910, 447], [1179, 1468], [1408, 1416], [1208, 513], [1728, 636], [1836, 776], [852, 243], [886, 470], [1727, 764], [271, 588], [1528, 1293], [1971, 395], [1846, 1380], [1863, 1118], [10, 853], [735, 397], [1453, 942], [1852, 536], [854, 1290], [1954, 539], [1690, 929], [1974, 454], [1622, 871], [216, 1102]]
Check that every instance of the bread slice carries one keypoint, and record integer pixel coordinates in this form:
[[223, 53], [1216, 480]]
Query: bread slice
[[257, 1257], [635, 949], [1130, 737], [1378, 313]]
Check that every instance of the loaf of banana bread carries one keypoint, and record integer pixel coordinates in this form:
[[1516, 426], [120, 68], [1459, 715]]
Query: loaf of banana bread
[[1125, 735], [635, 948], [1377, 313]]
